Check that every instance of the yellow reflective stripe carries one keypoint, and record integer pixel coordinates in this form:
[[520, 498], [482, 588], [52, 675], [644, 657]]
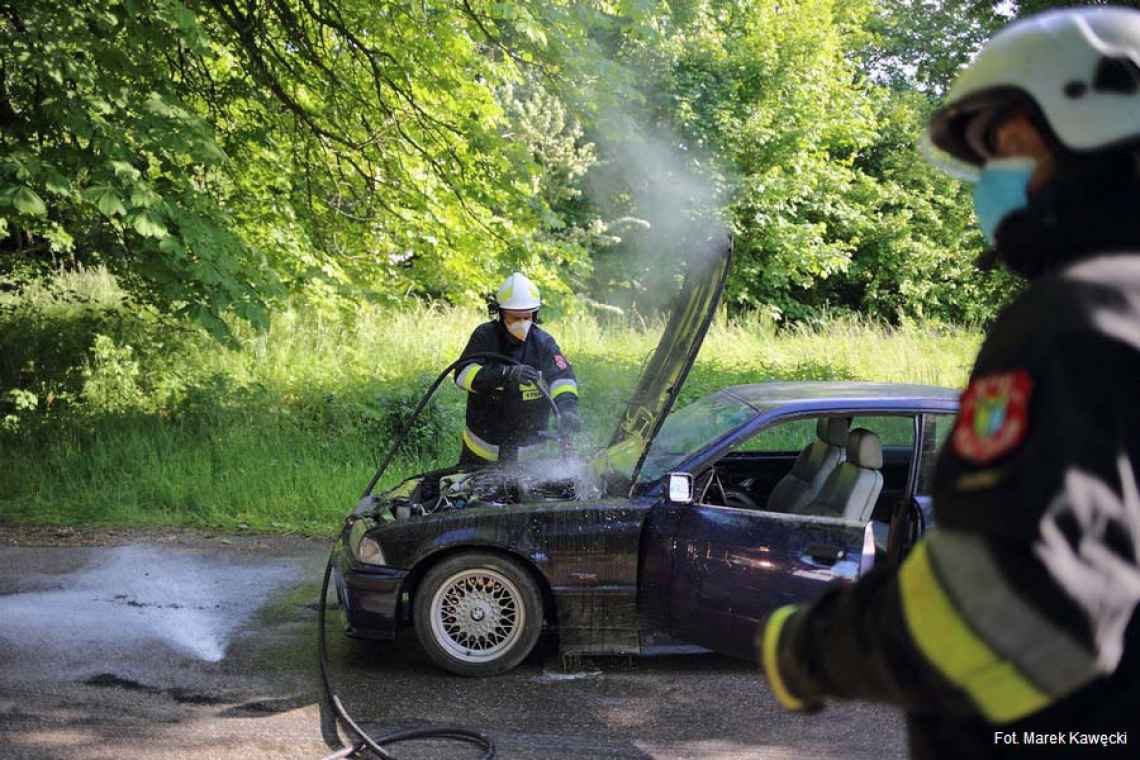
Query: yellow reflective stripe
[[1048, 655], [481, 448], [466, 377], [1000, 692], [558, 387], [769, 656], [529, 391]]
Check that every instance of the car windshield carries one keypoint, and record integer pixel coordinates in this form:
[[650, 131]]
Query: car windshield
[[691, 428]]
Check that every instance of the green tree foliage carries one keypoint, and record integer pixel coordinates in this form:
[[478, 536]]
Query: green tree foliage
[[1029, 7], [922, 43], [103, 152], [389, 114], [782, 112], [220, 157], [918, 246], [222, 154]]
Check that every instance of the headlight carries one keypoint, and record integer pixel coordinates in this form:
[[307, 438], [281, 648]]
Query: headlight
[[370, 552], [365, 548]]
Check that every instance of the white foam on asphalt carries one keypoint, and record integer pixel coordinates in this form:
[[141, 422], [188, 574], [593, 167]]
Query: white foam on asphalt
[[136, 595]]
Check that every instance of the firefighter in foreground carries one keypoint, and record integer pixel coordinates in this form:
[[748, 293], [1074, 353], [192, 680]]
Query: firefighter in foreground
[[506, 411], [1011, 623]]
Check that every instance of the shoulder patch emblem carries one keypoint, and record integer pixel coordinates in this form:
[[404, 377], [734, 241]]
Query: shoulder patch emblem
[[560, 361], [993, 417]]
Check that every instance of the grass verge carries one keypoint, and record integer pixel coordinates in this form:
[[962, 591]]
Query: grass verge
[[112, 417]]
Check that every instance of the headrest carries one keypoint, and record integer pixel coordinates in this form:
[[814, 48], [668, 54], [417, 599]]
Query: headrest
[[864, 449], [833, 430]]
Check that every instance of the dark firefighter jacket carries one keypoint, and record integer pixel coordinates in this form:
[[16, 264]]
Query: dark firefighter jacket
[[1009, 623], [503, 419]]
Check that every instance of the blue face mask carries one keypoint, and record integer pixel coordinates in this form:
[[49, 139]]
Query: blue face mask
[[1000, 190]]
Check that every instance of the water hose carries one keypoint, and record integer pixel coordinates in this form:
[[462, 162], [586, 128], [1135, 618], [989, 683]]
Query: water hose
[[359, 737], [360, 740], [427, 397]]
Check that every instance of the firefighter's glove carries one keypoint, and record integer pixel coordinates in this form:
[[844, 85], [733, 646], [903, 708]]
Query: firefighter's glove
[[569, 423], [786, 676], [521, 374]]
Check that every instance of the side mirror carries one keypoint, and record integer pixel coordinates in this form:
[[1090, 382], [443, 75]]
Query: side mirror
[[680, 488]]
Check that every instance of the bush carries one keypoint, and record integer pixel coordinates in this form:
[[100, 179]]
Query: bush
[[433, 432], [110, 380]]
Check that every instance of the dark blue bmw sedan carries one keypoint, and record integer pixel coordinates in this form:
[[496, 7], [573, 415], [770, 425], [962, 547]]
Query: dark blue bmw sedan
[[680, 536]]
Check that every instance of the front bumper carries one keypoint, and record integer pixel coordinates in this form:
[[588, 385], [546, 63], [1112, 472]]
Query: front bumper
[[369, 596]]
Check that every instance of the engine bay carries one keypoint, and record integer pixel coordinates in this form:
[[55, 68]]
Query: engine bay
[[569, 479]]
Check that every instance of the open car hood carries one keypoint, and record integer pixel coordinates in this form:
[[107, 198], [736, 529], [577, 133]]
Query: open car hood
[[661, 380]]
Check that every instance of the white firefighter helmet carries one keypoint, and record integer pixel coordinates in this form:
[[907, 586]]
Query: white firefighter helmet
[[1080, 69], [518, 293]]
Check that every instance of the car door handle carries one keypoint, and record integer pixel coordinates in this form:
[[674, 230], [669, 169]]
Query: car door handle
[[825, 553]]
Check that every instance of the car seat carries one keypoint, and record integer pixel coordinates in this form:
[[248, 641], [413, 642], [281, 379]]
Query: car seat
[[853, 487], [818, 459]]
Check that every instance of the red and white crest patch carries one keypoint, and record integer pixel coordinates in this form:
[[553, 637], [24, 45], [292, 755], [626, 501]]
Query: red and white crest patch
[[560, 361], [994, 416]]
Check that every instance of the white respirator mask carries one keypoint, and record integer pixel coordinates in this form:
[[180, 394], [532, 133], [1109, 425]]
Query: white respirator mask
[[520, 329]]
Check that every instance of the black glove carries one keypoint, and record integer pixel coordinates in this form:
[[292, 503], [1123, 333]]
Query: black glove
[[569, 422], [775, 645], [519, 374]]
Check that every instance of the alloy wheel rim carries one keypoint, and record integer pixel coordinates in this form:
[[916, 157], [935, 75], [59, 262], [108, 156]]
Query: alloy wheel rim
[[477, 615]]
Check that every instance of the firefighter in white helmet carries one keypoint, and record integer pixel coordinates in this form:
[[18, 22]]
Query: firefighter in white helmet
[[506, 411], [1012, 623]]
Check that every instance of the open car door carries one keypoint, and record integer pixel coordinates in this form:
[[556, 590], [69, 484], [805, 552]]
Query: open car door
[[712, 573], [713, 569]]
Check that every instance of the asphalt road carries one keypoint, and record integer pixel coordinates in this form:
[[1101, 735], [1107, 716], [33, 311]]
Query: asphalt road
[[197, 647]]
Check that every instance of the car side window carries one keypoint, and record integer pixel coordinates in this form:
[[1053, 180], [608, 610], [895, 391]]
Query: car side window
[[752, 475], [780, 438], [938, 427], [896, 435], [745, 477], [894, 432]]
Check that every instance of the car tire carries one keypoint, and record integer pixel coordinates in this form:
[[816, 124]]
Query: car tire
[[478, 614]]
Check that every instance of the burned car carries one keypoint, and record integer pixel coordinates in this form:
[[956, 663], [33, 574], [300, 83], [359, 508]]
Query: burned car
[[679, 537]]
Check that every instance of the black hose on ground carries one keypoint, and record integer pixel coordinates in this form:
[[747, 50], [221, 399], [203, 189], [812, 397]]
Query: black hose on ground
[[360, 739]]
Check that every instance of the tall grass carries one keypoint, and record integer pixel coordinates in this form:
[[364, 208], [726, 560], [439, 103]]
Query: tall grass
[[118, 417]]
